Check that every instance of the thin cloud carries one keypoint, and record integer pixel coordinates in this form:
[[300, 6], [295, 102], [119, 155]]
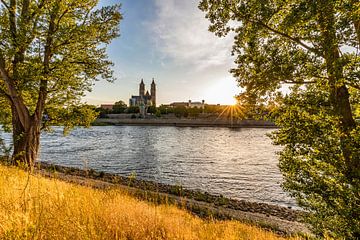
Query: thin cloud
[[180, 32]]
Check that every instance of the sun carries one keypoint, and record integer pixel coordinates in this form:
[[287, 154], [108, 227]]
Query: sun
[[232, 112], [221, 92]]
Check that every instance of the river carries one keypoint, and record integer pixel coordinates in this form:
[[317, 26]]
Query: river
[[237, 163]]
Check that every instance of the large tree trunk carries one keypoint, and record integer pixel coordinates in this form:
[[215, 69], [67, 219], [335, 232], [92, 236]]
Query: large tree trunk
[[26, 141], [331, 53], [340, 97]]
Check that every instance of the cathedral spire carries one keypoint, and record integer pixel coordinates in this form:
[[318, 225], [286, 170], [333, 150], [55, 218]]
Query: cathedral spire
[[153, 92], [142, 88]]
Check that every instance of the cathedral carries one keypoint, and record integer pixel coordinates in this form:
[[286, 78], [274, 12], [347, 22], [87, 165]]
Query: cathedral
[[144, 99]]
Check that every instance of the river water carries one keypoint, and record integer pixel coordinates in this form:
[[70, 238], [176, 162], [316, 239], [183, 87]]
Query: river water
[[237, 163]]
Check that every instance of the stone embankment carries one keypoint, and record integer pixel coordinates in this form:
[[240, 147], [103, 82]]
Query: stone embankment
[[277, 218], [185, 122]]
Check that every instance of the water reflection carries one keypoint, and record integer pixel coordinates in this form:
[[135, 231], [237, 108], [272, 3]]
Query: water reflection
[[236, 163]]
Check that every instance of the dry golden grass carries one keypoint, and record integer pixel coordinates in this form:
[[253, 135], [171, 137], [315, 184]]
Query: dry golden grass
[[33, 207]]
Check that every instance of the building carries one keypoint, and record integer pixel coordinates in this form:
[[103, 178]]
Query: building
[[107, 106], [189, 104], [144, 98], [197, 104], [179, 104]]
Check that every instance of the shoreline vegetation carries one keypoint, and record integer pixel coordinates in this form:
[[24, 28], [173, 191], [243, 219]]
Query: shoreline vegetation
[[41, 205], [282, 220], [184, 122]]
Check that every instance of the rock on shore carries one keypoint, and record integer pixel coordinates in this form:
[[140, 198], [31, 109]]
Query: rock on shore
[[277, 218]]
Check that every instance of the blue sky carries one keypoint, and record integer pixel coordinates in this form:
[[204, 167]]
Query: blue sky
[[167, 40]]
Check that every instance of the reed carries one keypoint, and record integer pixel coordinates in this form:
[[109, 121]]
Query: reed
[[34, 207]]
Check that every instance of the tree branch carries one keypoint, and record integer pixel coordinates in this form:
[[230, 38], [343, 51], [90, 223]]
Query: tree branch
[[46, 64], [4, 93], [273, 30], [356, 86], [296, 40], [39, 7], [60, 18], [25, 10], [12, 19], [299, 82], [68, 41], [17, 101], [5, 4], [357, 29]]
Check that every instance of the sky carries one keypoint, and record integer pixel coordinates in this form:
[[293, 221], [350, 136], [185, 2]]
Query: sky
[[167, 40]]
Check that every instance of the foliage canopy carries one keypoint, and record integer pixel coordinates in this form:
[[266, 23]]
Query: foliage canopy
[[51, 52], [313, 46], [119, 107]]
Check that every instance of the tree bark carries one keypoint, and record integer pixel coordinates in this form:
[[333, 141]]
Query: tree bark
[[357, 29], [339, 94], [26, 140], [331, 53], [355, 15]]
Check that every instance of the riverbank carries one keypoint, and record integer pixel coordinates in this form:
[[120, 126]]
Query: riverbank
[[280, 219], [185, 122], [42, 206]]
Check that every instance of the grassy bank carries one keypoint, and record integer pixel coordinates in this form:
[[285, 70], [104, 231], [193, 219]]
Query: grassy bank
[[34, 207]]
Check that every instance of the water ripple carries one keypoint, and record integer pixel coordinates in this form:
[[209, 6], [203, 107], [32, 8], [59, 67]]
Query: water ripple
[[236, 163]]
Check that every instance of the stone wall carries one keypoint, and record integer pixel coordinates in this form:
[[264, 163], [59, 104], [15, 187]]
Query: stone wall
[[186, 122]]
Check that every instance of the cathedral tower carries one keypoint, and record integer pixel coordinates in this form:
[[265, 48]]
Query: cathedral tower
[[142, 89], [153, 93]]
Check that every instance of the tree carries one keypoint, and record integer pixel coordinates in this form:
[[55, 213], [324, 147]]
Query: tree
[[214, 109], [194, 112], [133, 109], [158, 113], [119, 107], [69, 117], [165, 109], [181, 111], [151, 109], [51, 52], [312, 46]]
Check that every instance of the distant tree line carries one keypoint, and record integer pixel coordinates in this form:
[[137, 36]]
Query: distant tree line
[[247, 108]]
